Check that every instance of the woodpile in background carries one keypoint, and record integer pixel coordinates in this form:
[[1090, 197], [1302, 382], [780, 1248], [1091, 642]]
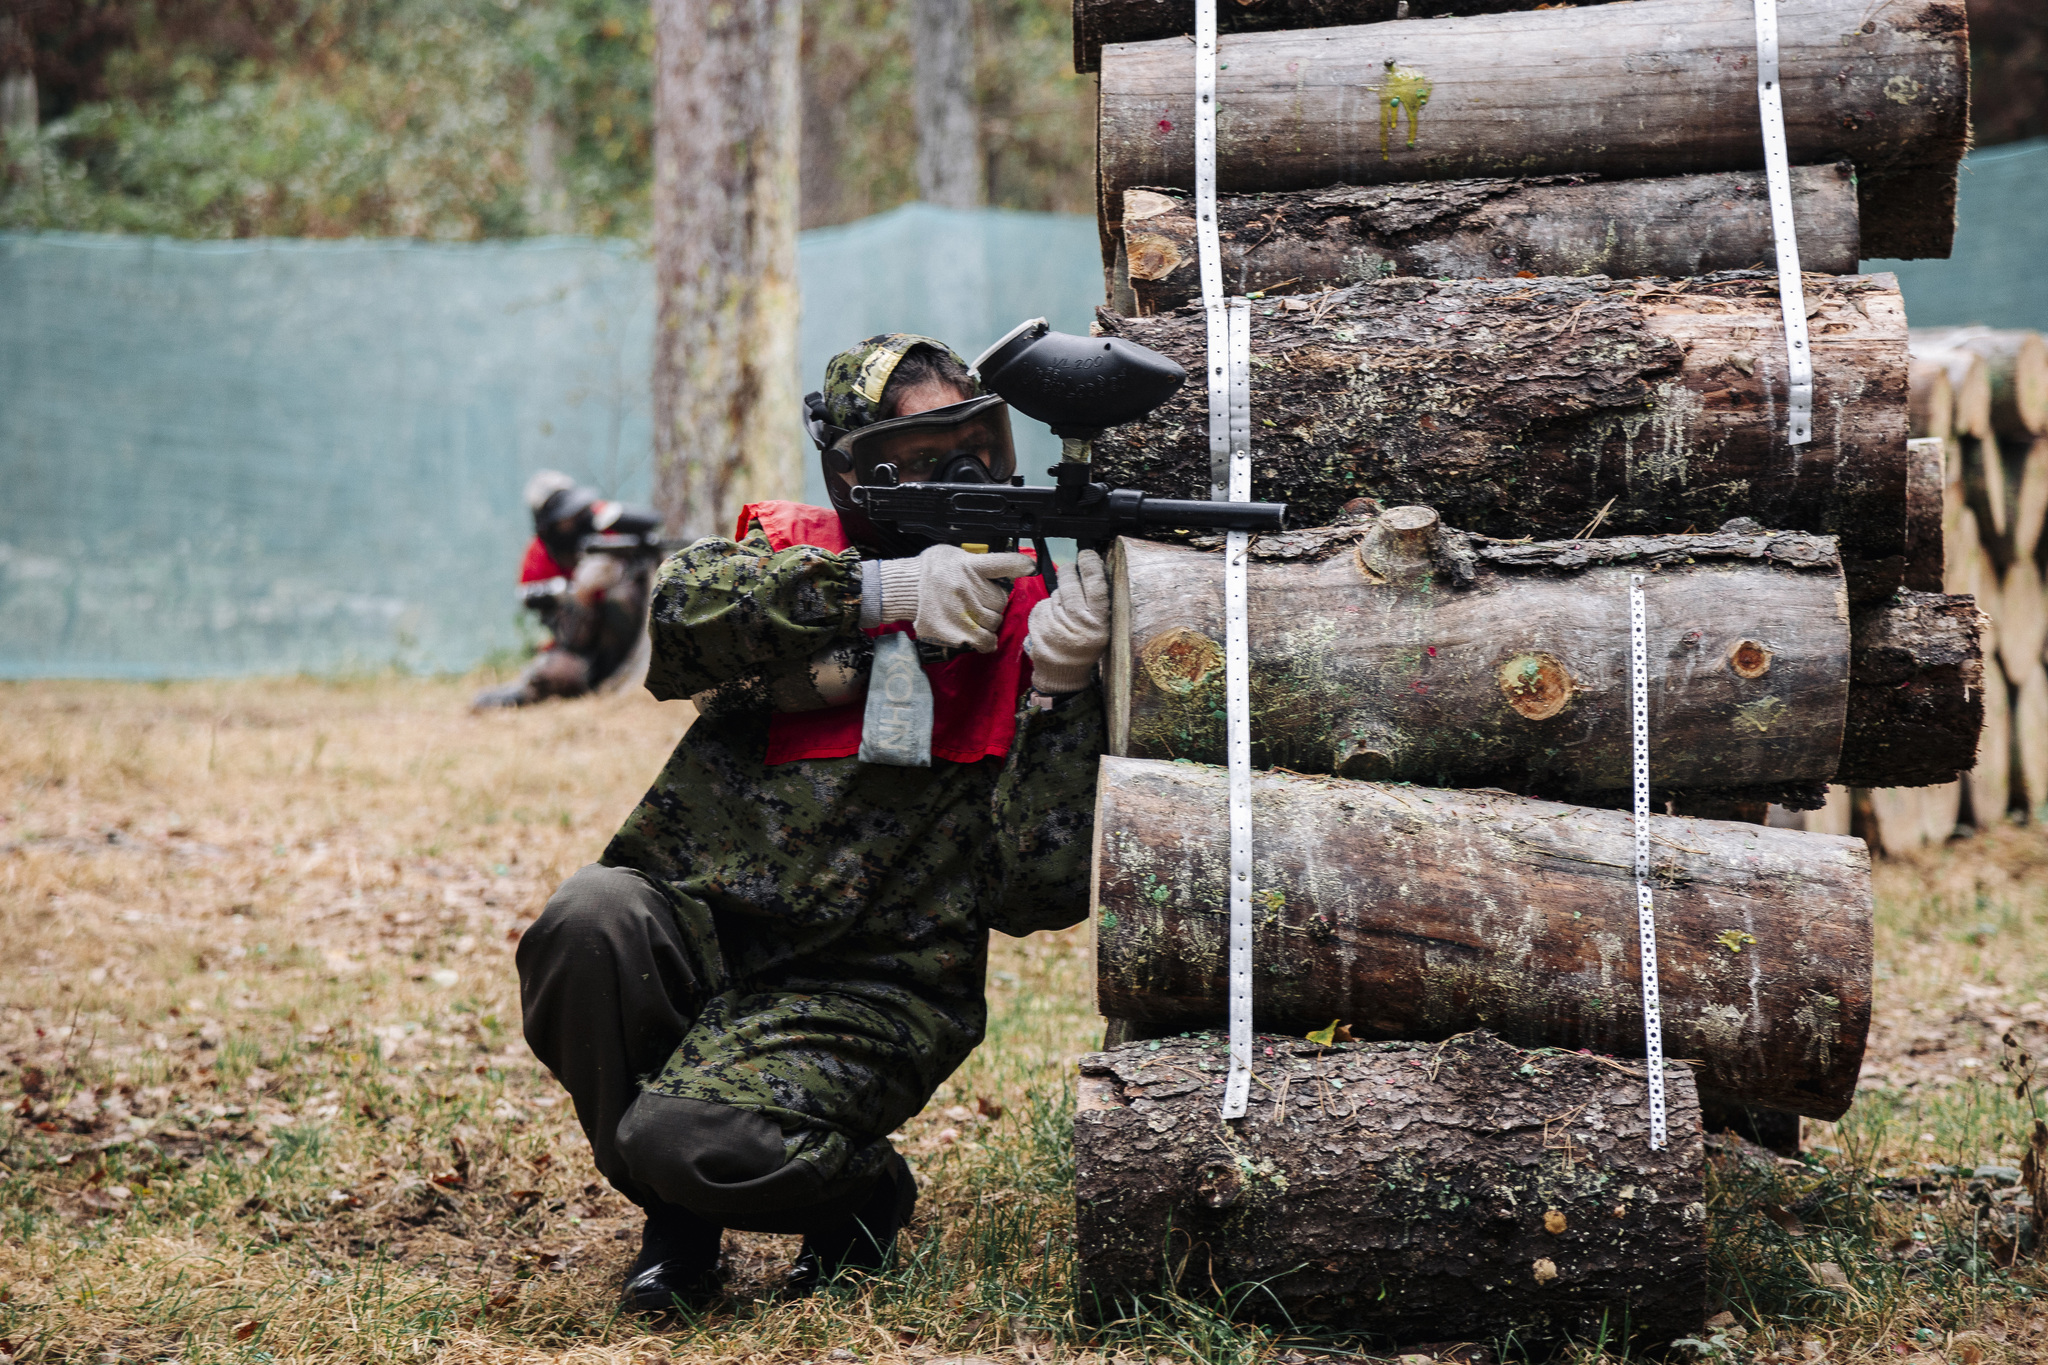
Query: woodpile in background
[[1978, 501], [1516, 336]]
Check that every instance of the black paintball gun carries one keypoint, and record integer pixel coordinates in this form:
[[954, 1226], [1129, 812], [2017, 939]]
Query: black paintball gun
[[1080, 387]]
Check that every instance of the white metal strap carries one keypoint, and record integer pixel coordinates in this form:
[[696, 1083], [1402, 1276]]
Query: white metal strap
[[1646, 910], [1208, 248], [1237, 710], [1778, 177], [1230, 479]]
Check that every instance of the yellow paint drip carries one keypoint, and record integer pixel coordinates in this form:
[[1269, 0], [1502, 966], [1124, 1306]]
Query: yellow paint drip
[[1404, 90]]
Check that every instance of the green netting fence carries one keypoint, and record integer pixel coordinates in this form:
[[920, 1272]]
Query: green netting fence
[[282, 456]]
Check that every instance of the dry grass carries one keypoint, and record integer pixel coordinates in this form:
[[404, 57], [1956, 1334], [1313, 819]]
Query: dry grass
[[261, 1044]]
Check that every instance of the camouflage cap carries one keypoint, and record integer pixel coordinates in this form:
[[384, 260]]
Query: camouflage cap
[[857, 377]]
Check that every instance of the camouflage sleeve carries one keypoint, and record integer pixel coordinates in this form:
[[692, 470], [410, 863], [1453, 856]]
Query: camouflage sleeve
[[1044, 808], [731, 609]]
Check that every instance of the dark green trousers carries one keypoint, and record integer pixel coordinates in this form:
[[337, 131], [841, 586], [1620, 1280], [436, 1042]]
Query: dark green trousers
[[609, 983]]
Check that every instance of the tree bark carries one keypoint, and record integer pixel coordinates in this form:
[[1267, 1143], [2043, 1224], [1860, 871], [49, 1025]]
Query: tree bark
[[1917, 667], [726, 429], [1409, 912], [1421, 1192], [1659, 87], [1926, 473], [1133, 21], [949, 168], [1520, 680], [1532, 407], [2016, 370], [1550, 225]]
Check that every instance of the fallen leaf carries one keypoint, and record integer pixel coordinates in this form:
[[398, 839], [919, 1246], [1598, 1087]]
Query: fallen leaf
[[1721, 1319], [245, 1329], [1830, 1274], [988, 1107], [1787, 1220]]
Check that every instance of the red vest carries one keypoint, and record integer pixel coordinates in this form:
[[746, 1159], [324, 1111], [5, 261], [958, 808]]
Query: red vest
[[539, 565], [974, 696]]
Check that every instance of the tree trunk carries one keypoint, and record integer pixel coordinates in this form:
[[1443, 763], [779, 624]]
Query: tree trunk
[[1659, 87], [726, 428], [2022, 619], [2030, 743], [1931, 402], [1916, 691], [948, 125], [1134, 21], [1417, 1191], [1988, 786], [1926, 473], [1408, 912], [1969, 383], [2026, 473], [1553, 225], [1906, 818], [1521, 680], [2016, 370], [1532, 407]]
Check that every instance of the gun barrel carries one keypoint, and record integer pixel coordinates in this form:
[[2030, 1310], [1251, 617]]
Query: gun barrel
[[1185, 513]]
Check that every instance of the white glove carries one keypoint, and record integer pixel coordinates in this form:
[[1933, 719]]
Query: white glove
[[948, 595], [1070, 629]]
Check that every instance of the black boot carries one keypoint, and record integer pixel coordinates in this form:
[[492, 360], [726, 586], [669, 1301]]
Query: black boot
[[678, 1260], [867, 1240]]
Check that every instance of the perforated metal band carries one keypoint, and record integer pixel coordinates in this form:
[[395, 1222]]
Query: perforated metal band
[[1208, 249], [1646, 910], [1230, 480], [1237, 712], [1770, 100]]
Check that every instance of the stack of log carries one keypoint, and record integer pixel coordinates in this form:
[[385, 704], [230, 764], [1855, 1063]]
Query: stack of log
[[1980, 464], [1516, 338]]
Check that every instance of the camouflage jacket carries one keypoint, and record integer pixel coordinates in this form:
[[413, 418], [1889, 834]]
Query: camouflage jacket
[[845, 906]]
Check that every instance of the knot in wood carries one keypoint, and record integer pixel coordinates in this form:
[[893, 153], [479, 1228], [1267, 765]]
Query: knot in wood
[[1218, 1184], [1749, 659], [1536, 684], [1181, 660]]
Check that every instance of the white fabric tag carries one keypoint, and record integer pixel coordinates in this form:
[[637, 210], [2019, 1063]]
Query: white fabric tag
[[896, 728]]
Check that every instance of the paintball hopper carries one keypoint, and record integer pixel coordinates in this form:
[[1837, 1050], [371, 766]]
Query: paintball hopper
[[1078, 386]]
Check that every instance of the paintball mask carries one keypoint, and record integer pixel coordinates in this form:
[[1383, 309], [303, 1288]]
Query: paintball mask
[[960, 443], [965, 442]]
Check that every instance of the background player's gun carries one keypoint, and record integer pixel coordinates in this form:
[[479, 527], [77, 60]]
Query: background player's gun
[[1080, 387]]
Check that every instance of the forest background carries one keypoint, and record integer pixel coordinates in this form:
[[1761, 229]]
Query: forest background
[[472, 119]]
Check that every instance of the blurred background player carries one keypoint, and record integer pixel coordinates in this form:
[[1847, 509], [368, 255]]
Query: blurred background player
[[586, 576]]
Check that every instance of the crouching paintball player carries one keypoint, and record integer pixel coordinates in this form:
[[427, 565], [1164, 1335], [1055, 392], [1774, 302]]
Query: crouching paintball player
[[780, 956], [586, 576]]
